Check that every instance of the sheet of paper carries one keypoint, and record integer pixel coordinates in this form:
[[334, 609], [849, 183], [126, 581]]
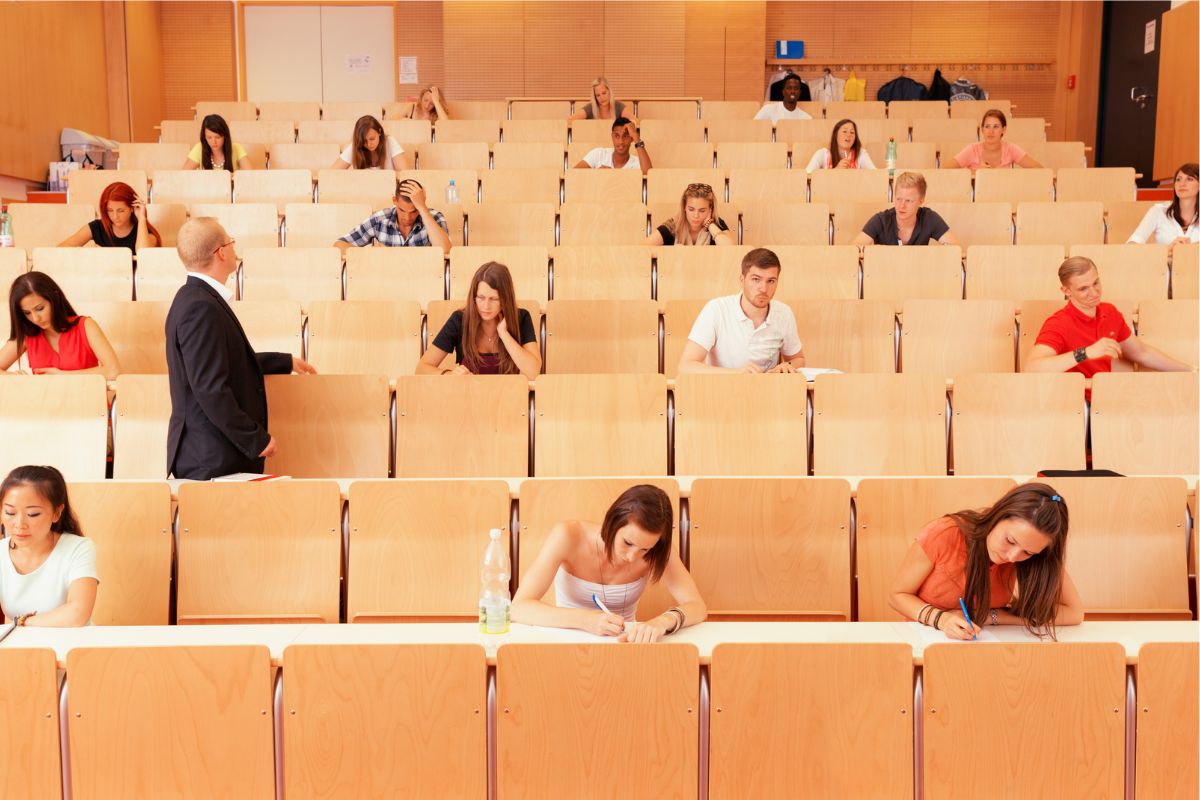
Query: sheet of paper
[[407, 69], [934, 636], [358, 64]]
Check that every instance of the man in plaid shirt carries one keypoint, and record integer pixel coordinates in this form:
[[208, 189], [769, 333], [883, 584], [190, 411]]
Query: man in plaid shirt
[[409, 223]]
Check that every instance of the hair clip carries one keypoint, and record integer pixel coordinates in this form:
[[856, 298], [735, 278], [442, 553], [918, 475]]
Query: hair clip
[[1056, 498]]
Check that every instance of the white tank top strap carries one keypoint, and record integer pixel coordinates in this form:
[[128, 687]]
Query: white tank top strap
[[620, 598]]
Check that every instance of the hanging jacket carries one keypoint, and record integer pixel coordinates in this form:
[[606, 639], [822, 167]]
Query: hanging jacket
[[902, 88], [939, 87], [856, 88], [963, 89], [827, 88]]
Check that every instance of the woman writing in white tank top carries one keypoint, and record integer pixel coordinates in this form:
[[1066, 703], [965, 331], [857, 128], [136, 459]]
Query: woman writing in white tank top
[[611, 562]]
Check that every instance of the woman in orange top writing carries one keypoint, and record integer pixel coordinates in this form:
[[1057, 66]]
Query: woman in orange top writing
[[1007, 563]]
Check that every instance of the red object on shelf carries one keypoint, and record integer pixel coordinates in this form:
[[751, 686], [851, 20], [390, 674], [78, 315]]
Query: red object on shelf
[[45, 197]]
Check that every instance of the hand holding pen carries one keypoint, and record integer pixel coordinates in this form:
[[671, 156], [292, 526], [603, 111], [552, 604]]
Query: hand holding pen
[[958, 626], [605, 623]]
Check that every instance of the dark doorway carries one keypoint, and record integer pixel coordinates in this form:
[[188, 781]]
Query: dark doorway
[[1128, 87]]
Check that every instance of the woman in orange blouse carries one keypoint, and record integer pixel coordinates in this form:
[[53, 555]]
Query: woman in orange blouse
[[1006, 562]]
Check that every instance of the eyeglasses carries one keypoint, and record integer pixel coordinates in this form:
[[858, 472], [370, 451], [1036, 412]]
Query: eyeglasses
[[699, 187], [231, 241]]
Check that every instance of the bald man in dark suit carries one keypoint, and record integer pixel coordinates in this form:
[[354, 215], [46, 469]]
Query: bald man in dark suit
[[218, 399]]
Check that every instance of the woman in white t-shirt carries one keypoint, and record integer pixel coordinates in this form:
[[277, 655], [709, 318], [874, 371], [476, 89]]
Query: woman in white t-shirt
[[371, 149], [48, 575], [845, 142], [1174, 222]]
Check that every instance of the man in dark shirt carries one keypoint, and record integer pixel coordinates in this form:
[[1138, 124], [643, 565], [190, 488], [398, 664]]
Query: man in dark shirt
[[908, 222]]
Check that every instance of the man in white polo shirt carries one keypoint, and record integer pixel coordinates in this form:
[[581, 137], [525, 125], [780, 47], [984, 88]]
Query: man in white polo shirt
[[748, 331]]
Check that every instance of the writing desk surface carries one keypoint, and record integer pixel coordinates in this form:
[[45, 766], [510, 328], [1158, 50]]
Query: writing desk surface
[[706, 636]]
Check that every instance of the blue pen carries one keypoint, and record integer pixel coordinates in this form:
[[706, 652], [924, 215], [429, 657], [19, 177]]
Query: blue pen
[[600, 604], [961, 605]]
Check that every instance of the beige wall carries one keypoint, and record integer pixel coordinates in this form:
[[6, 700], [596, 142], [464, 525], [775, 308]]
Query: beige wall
[[54, 78]]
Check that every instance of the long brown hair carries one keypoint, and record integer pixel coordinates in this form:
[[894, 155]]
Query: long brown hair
[[62, 314], [364, 158], [650, 509], [122, 193], [1191, 169], [497, 276], [1039, 577], [834, 149]]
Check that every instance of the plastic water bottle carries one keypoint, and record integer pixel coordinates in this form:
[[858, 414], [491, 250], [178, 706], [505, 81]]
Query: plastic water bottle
[[891, 157], [6, 237], [451, 194], [494, 599]]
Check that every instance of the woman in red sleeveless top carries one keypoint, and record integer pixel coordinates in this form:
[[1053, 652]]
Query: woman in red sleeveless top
[[46, 328]]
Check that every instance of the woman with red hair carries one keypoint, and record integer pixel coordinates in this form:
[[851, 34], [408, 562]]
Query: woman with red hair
[[122, 222]]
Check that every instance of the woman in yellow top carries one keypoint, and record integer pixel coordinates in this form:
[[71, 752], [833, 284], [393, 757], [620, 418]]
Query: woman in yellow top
[[216, 150]]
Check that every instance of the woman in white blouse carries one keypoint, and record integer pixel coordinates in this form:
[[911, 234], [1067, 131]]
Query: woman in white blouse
[[1174, 222], [371, 148], [845, 142], [48, 574]]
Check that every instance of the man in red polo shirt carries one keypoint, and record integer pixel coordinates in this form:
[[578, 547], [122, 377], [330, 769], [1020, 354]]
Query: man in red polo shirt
[[1086, 335]]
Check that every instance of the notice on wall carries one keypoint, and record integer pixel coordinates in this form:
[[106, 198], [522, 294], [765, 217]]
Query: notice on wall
[[407, 69], [358, 64], [1151, 29]]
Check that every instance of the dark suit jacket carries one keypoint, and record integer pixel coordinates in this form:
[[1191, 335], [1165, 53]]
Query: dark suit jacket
[[218, 400]]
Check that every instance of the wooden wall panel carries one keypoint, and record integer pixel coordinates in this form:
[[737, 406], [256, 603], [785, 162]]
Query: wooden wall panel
[[563, 53], [704, 49], [198, 55], [955, 35], [1178, 92], [54, 78], [144, 54], [1079, 35], [484, 47], [116, 72], [643, 47], [419, 33], [745, 25]]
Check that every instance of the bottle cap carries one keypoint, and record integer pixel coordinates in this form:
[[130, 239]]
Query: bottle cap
[[452, 181], [494, 533]]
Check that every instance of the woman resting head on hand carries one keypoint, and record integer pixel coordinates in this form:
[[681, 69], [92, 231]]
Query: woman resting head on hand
[[122, 222], [489, 335], [48, 574]]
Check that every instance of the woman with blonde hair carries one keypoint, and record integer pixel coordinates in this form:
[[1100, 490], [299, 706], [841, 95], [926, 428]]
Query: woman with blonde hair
[[371, 148], [429, 105], [602, 106], [696, 223], [479, 333]]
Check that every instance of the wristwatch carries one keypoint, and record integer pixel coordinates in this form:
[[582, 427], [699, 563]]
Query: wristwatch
[[639, 145], [1080, 355]]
